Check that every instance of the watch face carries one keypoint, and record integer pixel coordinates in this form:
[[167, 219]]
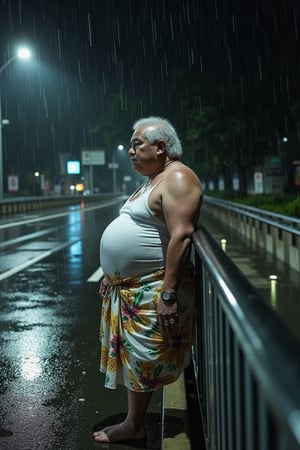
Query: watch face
[[166, 296]]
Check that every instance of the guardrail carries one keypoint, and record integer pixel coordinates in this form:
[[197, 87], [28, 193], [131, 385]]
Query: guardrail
[[279, 235], [23, 205], [246, 362]]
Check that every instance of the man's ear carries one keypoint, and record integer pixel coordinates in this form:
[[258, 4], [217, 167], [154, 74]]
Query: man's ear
[[161, 147]]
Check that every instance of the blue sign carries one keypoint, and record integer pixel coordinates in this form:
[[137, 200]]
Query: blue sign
[[73, 167]]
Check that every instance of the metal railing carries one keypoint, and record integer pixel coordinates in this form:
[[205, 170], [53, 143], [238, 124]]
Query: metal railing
[[247, 364], [285, 223], [20, 205], [279, 235]]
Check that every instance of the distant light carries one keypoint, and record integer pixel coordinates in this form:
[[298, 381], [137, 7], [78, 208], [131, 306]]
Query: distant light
[[24, 53], [5, 122], [120, 147], [36, 174], [273, 277], [273, 291], [223, 244], [285, 139], [79, 187]]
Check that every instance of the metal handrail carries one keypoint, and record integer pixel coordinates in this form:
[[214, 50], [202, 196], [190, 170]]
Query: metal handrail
[[274, 219], [269, 356]]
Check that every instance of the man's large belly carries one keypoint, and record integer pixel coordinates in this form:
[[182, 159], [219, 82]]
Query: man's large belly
[[130, 248]]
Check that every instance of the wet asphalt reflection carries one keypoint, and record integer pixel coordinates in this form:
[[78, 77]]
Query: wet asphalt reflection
[[52, 394]]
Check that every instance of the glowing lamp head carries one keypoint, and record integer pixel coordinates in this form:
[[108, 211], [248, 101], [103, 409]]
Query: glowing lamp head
[[24, 53]]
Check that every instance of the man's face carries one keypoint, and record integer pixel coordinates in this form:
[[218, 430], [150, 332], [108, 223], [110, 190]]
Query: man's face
[[143, 155]]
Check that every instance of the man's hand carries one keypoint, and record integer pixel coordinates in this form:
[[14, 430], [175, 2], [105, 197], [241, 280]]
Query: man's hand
[[105, 287], [167, 317]]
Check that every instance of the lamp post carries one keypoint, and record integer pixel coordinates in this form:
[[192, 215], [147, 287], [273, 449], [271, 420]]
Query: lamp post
[[114, 166], [36, 183], [282, 155], [23, 53]]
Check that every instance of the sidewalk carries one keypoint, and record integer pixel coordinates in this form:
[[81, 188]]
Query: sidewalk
[[182, 425]]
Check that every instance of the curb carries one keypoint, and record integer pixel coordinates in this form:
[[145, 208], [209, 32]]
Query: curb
[[174, 417]]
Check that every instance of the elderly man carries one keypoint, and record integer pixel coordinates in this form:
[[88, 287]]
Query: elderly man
[[148, 290]]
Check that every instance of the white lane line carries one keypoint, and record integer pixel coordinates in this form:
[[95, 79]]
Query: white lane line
[[96, 276], [26, 237], [32, 261]]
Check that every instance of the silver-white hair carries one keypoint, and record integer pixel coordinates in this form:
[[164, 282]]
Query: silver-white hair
[[157, 129]]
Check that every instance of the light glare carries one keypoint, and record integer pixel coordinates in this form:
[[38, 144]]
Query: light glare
[[24, 53], [273, 277]]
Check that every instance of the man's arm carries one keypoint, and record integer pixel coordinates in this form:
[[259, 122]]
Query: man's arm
[[181, 202]]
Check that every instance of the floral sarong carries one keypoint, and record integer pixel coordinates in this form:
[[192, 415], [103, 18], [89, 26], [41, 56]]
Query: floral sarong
[[134, 352]]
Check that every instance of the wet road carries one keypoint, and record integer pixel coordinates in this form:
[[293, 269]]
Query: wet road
[[52, 393]]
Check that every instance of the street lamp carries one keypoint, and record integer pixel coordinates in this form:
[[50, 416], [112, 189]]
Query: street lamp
[[36, 186], [114, 165], [23, 53]]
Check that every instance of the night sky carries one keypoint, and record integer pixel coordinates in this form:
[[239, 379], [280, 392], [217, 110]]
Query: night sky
[[87, 54]]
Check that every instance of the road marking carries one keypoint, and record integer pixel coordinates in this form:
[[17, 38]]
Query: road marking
[[96, 276], [26, 237], [32, 261]]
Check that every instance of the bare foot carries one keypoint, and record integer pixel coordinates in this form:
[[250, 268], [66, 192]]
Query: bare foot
[[119, 432]]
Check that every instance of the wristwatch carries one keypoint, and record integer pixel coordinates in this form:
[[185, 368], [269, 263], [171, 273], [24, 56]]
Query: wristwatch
[[168, 297]]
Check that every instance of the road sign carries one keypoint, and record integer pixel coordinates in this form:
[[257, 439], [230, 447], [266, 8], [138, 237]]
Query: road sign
[[258, 183], [113, 165], [235, 181], [13, 183], [93, 157]]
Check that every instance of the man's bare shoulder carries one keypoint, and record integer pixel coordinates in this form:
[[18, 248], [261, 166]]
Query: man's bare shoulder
[[178, 182], [179, 187], [181, 178]]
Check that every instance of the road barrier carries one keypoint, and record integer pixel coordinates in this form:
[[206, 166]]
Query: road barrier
[[246, 361], [24, 205], [279, 235]]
